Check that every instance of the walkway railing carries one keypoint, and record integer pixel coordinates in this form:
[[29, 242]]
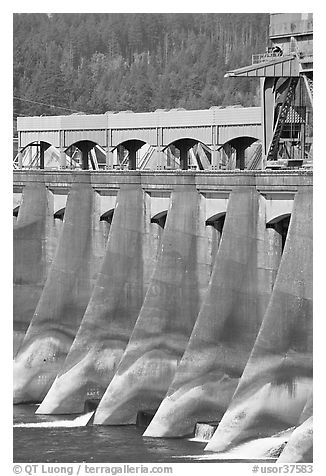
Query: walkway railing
[[256, 159], [263, 57]]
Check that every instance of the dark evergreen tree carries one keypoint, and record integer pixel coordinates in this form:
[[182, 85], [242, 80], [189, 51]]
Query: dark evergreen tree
[[140, 62]]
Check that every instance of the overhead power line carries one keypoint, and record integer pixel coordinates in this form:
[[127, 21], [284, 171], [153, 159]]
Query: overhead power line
[[44, 104]]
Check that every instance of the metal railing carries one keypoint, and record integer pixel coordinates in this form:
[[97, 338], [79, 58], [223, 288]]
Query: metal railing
[[256, 158], [263, 57]]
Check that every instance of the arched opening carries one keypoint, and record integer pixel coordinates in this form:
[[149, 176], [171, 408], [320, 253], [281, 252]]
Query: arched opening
[[214, 229], [82, 155], [128, 156], [184, 146], [239, 153], [105, 223], [58, 222], [281, 225], [36, 156], [160, 218], [43, 155], [107, 216], [58, 218], [217, 221], [157, 226], [16, 211], [59, 215], [188, 154], [96, 157]]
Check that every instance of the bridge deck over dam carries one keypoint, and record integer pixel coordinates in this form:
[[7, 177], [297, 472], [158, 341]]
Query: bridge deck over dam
[[164, 180], [278, 187], [212, 128], [160, 128]]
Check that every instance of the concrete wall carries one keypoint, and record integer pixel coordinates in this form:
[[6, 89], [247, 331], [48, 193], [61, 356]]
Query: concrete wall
[[205, 181], [191, 321], [227, 324], [34, 244], [64, 298], [167, 316], [112, 310], [299, 448], [277, 379]]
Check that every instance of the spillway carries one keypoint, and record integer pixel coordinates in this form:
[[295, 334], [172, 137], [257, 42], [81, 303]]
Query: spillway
[[166, 318], [227, 324], [112, 310], [63, 300], [191, 305], [276, 382], [33, 250]]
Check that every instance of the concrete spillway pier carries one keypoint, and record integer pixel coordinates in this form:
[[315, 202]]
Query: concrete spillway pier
[[299, 448], [63, 301], [33, 249], [112, 310], [168, 295], [277, 379], [227, 324], [167, 316]]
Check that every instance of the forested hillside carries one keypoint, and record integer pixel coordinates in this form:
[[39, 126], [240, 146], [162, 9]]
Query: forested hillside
[[111, 62]]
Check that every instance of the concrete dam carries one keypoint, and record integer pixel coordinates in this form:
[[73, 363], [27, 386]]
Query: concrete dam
[[169, 299]]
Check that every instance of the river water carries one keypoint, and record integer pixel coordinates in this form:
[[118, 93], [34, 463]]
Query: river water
[[65, 439], [38, 440]]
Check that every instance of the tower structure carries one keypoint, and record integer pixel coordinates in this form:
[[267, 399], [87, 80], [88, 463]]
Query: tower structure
[[285, 70]]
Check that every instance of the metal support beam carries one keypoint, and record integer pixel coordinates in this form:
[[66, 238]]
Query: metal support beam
[[267, 109], [63, 162], [160, 157], [215, 157], [132, 158], [109, 157], [20, 159], [240, 157], [43, 148], [84, 161], [183, 156]]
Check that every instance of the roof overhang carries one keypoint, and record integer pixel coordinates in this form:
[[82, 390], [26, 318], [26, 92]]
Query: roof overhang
[[283, 66]]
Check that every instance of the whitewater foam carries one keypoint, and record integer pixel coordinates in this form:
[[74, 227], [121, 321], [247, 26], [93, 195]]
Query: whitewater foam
[[81, 420]]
